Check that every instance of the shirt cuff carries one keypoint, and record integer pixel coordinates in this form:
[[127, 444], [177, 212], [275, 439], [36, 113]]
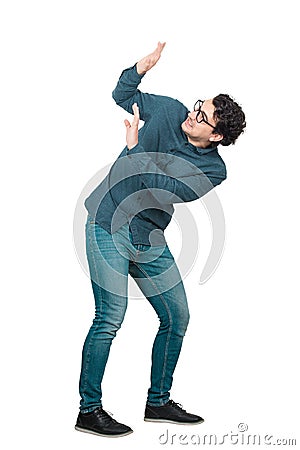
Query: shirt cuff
[[140, 75], [138, 148], [134, 76]]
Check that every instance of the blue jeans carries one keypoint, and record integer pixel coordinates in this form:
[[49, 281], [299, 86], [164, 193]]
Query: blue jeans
[[111, 257]]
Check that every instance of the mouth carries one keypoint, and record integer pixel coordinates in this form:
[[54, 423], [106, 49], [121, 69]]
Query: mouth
[[188, 123]]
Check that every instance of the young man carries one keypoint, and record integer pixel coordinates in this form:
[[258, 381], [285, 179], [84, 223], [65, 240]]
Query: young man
[[172, 158]]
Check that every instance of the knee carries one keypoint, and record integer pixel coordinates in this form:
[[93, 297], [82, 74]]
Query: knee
[[183, 322], [176, 321], [108, 325]]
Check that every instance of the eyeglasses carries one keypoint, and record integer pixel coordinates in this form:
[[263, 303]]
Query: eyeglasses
[[197, 107]]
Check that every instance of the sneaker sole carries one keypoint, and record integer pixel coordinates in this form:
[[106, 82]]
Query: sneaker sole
[[85, 430], [172, 421]]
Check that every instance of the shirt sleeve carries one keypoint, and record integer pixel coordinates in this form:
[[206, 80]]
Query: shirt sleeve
[[172, 179], [126, 93]]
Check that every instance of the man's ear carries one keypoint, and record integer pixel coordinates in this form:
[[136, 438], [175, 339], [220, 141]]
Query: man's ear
[[216, 137]]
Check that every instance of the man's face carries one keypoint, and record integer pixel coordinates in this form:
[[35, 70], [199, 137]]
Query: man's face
[[201, 134]]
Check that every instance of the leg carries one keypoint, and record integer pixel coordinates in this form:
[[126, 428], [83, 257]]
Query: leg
[[160, 281], [109, 277]]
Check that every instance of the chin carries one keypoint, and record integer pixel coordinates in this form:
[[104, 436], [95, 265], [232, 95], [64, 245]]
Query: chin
[[184, 128]]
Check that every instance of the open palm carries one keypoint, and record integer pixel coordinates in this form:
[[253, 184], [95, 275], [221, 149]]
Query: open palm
[[149, 61]]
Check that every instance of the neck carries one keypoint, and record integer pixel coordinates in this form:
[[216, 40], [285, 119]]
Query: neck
[[199, 142]]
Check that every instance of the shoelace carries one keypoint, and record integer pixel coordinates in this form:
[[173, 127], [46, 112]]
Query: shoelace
[[176, 405], [104, 415]]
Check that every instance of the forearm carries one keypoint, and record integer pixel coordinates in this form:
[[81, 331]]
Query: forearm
[[126, 88], [126, 93], [170, 179]]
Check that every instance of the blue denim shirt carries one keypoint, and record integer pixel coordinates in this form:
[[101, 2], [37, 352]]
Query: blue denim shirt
[[164, 168]]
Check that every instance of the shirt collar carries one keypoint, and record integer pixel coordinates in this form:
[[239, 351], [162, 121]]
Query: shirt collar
[[202, 151]]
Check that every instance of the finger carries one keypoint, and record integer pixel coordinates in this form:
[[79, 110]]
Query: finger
[[127, 123], [160, 46], [136, 114], [156, 53], [135, 108]]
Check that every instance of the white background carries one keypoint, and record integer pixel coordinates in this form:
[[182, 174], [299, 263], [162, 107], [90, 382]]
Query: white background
[[59, 125]]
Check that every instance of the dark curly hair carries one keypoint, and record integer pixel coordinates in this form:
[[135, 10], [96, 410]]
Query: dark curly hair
[[229, 117]]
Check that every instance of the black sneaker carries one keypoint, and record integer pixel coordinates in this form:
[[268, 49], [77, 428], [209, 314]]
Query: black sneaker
[[101, 423], [171, 412]]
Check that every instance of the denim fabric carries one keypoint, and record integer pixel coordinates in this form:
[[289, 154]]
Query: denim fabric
[[111, 258]]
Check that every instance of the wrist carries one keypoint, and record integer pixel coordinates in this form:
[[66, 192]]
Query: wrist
[[134, 149], [140, 70], [131, 146]]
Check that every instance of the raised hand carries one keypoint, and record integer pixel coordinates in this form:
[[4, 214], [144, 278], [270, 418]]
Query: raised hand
[[132, 130], [149, 61]]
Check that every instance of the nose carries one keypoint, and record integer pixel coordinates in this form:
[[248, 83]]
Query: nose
[[192, 115]]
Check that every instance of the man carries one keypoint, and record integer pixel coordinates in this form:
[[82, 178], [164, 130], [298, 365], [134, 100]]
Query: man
[[172, 158]]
